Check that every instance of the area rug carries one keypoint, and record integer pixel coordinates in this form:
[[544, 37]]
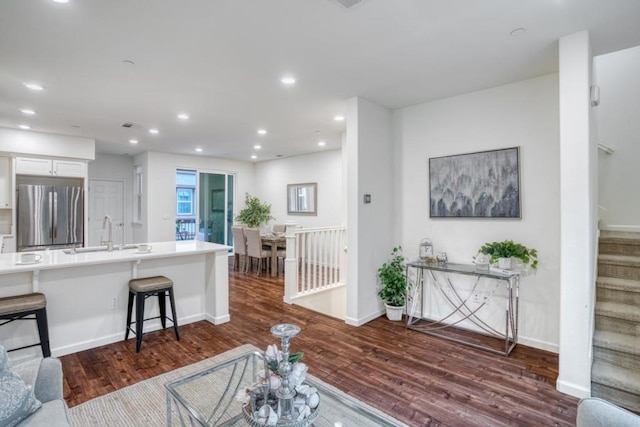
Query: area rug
[[144, 403]]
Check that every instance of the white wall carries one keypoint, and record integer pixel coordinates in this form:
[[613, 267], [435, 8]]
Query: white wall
[[323, 168], [618, 117], [116, 168], [372, 229], [20, 142], [578, 191], [160, 182], [523, 114]]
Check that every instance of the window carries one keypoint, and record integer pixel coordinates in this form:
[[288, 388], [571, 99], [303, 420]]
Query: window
[[184, 197], [185, 192]]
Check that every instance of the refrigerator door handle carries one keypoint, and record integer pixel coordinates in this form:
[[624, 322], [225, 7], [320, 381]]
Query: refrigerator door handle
[[54, 213]]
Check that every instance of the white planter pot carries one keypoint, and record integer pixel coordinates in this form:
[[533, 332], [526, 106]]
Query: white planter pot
[[504, 263], [394, 313]]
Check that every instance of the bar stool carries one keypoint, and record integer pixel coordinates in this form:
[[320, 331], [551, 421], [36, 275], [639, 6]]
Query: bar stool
[[19, 307], [142, 289]]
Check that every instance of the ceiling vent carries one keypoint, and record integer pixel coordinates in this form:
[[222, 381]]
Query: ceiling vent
[[348, 3], [130, 125]]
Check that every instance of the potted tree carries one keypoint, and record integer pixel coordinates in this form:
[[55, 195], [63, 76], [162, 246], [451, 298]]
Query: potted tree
[[505, 252], [254, 212], [393, 284]]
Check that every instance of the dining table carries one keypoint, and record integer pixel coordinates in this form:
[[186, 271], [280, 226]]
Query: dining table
[[275, 241]]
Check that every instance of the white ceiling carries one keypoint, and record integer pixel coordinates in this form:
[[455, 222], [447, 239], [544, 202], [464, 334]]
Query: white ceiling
[[221, 61]]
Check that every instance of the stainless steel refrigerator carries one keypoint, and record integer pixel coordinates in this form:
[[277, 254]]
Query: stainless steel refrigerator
[[50, 213]]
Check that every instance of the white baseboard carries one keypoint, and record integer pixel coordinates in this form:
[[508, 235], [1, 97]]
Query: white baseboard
[[359, 322], [149, 326], [573, 389], [217, 320]]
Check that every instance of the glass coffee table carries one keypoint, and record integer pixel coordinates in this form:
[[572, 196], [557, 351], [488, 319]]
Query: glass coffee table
[[208, 398]]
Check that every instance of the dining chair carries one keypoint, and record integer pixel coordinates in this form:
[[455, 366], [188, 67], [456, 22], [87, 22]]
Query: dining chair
[[239, 247], [255, 249]]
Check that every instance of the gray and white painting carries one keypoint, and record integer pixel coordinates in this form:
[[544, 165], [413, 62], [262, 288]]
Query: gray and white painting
[[484, 184]]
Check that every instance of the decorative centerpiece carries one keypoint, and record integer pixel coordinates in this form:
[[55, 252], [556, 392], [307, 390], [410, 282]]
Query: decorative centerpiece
[[282, 398]]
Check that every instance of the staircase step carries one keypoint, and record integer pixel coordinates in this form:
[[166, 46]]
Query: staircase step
[[617, 349], [614, 283], [618, 311], [621, 398], [615, 341], [613, 295], [624, 380], [622, 237], [619, 266]]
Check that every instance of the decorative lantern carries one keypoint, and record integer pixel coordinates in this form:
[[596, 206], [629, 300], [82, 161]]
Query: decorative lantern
[[426, 249]]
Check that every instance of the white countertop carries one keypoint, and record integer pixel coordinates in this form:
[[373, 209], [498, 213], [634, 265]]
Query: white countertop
[[10, 263]]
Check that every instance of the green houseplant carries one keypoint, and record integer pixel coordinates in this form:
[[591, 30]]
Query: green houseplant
[[393, 284], [508, 249], [254, 212]]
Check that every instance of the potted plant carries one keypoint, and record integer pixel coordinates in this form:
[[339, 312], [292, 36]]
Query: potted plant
[[504, 252], [254, 212], [393, 284]]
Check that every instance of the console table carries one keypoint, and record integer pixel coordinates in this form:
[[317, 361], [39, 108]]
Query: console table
[[464, 304]]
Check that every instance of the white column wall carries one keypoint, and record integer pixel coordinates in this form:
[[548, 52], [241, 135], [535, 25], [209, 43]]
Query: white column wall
[[372, 229], [22, 142], [523, 114], [323, 168], [577, 216]]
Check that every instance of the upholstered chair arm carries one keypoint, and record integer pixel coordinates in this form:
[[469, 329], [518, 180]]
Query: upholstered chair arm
[[48, 384]]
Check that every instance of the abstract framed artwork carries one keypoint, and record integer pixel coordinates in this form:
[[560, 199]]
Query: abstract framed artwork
[[485, 184]]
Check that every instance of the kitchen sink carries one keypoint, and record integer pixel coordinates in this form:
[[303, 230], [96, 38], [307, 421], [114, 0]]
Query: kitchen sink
[[98, 249]]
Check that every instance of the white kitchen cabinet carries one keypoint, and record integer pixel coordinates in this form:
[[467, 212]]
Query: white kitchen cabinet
[[5, 183], [8, 245], [35, 166]]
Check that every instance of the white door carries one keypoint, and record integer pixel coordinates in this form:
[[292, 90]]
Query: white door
[[106, 198]]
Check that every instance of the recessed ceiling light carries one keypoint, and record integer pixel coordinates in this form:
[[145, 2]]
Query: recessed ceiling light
[[128, 62], [288, 80], [183, 116], [133, 141], [33, 86], [61, 1], [338, 117], [518, 32], [199, 150], [254, 156], [154, 131], [27, 111], [257, 147], [322, 143], [262, 131], [25, 127]]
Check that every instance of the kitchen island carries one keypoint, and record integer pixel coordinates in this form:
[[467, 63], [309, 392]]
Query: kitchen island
[[87, 291]]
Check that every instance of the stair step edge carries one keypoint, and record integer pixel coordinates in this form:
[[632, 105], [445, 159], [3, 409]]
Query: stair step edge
[[622, 260], [616, 377], [628, 285], [622, 237], [617, 308], [617, 342]]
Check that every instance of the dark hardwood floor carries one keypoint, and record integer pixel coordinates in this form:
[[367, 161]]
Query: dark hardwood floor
[[418, 379]]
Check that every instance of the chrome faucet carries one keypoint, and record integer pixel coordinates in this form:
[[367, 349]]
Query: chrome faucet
[[107, 222]]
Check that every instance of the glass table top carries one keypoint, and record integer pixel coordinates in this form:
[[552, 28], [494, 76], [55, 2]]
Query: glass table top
[[208, 398]]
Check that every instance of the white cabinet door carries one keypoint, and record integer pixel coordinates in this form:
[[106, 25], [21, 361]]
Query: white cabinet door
[[5, 183], [8, 245], [68, 168], [30, 166]]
